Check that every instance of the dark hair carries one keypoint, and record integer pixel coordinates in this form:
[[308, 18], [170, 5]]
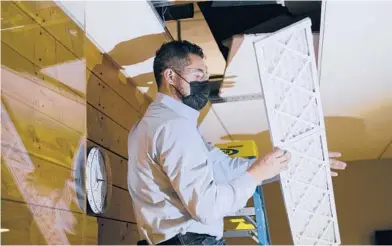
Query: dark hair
[[175, 55]]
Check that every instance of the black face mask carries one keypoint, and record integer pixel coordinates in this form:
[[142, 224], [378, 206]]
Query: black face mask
[[198, 98], [200, 91]]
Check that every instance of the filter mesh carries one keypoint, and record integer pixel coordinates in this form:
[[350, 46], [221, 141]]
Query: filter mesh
[[289, 81]]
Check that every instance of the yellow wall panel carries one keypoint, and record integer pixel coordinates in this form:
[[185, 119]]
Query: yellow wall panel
[[106, 132], [42, 136], [39, 46], [108, 72], [16, 35], [90, 231], [13, 18], [41, 11], [45, 184], [45, 51], [120, 206], [105, 99], [57, 23], [45, 100], [46, 64], [32, 225], [15, 62], [113, 232], [12, 60]]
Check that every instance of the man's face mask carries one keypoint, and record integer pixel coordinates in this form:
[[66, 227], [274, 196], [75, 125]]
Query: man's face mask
[[199, 93]]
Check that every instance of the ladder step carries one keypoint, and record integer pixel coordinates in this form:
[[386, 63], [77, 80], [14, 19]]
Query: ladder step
[[244, 212], [238, 233]]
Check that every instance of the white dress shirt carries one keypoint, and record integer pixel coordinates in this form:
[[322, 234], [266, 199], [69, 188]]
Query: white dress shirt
[[177, 181]]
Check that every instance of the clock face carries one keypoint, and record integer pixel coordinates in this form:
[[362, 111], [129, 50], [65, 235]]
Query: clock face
[[97, 180]]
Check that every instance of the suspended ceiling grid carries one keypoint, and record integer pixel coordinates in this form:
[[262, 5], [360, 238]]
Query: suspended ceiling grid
[[355, 81]]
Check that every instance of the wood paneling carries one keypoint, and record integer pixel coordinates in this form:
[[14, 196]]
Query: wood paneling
[[387, 153], [120, 206], [34, 43], [37, 45], [47, 101], [17, 63], [42, 136], [53, 19], [32, 225], [49, 70], [13, 32], [106, 132], [108, 72], [113, 232], [44, 184], [106, 100]]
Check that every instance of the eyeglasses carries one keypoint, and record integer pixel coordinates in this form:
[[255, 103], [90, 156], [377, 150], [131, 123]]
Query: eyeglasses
[[205, 75]]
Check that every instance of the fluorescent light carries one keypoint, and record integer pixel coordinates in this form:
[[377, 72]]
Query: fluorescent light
[[4, 230]]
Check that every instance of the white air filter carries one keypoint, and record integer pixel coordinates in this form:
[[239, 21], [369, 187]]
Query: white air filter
[[289, 81]]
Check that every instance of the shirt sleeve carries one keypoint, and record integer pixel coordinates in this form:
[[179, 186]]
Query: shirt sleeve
[[184, 158], [227, 168]]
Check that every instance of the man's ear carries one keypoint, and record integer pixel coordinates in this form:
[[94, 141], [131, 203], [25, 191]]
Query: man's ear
[[168, 74]]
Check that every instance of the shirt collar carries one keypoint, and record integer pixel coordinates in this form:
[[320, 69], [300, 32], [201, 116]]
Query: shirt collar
[[178, 107]]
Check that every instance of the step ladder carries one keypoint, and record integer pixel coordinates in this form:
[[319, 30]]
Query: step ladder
[[252, 221], [256, 217]]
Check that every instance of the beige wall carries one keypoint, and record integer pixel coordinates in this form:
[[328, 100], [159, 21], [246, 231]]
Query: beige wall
[[363, 196]]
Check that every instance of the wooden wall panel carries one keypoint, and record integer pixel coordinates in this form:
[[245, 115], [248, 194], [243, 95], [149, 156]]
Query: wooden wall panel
[[53, 19], [42, 136], [13, 61], [107, 71], [57, 23], [14, 17], [113, 232], [47, 105], [43, 50], [106, 100], [45, 184], [118, 166], [52, 104], [105, 132], [120, 206], [32, 225]]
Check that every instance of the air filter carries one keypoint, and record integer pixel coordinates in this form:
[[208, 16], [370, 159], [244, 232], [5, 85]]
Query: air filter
[[289, 81]]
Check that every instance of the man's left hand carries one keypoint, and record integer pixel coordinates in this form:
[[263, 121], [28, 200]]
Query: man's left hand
[[335, 164]]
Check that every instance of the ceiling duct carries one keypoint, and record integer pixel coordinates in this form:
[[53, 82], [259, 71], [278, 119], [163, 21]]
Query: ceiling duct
[[219, 3], [167, 11]]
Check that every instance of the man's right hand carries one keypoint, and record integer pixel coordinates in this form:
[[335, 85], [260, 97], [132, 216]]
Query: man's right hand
[[270, 165]]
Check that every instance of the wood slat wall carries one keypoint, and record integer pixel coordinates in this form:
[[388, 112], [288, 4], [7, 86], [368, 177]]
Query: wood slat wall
[[43, 124], [58, 88]]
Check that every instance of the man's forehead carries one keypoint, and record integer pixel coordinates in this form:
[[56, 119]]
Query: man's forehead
[[197, 64]]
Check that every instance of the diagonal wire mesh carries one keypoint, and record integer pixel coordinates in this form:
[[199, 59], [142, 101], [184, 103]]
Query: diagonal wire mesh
[[290, 86]]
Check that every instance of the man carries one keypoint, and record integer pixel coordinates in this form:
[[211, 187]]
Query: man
[[182, 187]]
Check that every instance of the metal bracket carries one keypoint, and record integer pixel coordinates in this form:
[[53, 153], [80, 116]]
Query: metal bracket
[[239, 98], [244, 212]]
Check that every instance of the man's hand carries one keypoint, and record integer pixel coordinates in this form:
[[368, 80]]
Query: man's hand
[[335, 164], [270, 165]]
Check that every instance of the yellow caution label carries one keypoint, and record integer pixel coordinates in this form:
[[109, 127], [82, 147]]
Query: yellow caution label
[[244, 149], [242, 224]]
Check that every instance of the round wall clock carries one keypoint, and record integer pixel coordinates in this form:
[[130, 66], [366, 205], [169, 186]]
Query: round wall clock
[[98, 180]]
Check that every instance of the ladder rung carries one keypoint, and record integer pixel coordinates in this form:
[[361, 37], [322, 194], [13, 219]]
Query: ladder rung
[[244, 212], [239, 233]]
